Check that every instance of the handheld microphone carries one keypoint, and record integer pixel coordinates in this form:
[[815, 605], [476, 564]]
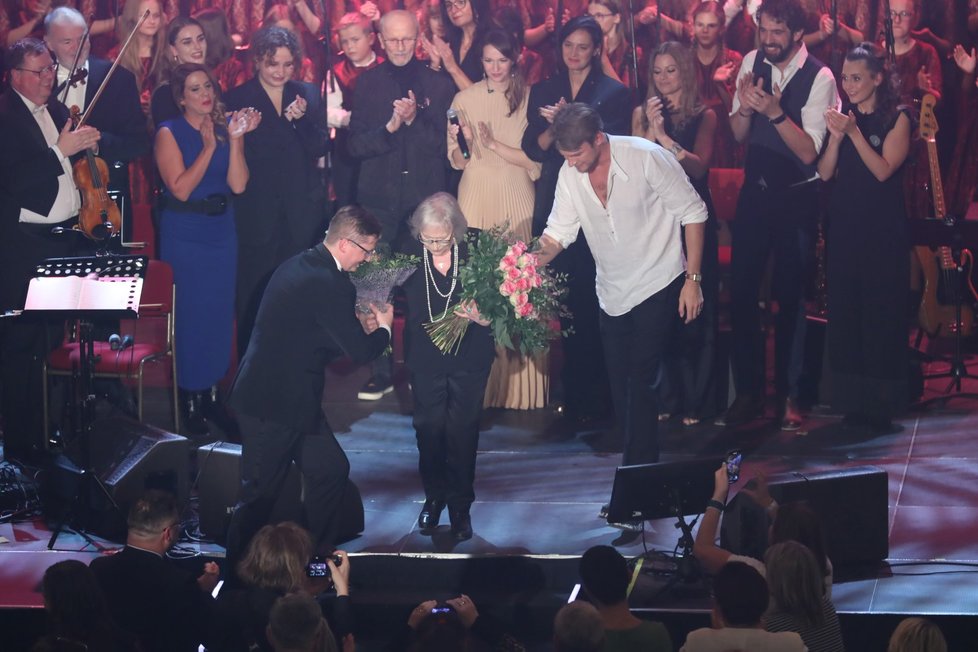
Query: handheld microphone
[[462, 145]]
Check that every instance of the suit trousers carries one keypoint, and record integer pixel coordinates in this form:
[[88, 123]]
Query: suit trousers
[[782, 223], [447, 407], [634, 348], [267, 451]]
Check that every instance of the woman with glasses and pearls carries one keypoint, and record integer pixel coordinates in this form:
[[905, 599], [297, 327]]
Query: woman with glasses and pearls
[[497, 188], [674, 117], [867, 274], [447, 388]]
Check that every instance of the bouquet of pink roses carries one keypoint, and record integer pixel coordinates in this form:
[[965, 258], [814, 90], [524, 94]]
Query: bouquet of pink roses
[[521, 301]]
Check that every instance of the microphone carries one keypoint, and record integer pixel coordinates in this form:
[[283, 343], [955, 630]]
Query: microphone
[[462, 145]]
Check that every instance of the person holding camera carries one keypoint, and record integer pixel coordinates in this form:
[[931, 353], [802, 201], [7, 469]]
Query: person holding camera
[[450, 625], [279, 561]]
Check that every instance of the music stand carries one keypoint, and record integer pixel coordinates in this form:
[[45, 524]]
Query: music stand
[[958, 235], [86, 289], [665, 490]]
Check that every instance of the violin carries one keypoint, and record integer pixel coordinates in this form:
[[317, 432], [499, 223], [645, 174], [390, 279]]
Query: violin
[[99, 217]]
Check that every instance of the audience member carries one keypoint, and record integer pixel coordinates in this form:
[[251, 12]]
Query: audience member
[[295, 624], [143, 55], [578, 628], [917, 635], [186, 44], [740, 598], [798, 600], [278, 15], [605, 578], [617, 53], [228, 70], [78, 616], [454, 624], [165, 607], [460, 54], [276, 564]]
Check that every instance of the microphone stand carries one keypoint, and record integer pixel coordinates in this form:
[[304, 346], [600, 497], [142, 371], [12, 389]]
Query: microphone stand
[[888, 37], [834, 15], [633, 58]]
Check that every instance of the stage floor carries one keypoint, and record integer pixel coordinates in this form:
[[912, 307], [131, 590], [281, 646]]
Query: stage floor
[[540, 484]]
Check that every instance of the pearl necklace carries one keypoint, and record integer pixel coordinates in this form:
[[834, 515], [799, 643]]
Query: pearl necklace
[[429, 280]]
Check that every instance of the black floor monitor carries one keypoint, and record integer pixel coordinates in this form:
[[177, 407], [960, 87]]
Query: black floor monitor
[[653, 491]]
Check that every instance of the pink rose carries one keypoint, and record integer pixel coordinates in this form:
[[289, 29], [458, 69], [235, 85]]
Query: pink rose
[[530, 270], [522, 299], [536, 281], [519, 247], [512, 274], [523, 284], [526, 310], [507, 262], [508, 288]]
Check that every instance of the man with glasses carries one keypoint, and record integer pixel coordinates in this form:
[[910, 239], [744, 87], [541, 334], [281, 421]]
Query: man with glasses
[[165, 607], [399, 133], [37, 195], [306, 320]]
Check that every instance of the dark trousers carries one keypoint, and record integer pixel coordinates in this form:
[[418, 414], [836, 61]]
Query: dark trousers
[[447, 407], [634, 346], [256, 264], [268, 448], [783, 223]]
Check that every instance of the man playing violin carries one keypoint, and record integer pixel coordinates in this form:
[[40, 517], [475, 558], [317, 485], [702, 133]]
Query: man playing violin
[[37, 195], [117, 114]]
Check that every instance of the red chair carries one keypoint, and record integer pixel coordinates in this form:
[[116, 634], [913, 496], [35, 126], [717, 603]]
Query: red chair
[[152, 337]]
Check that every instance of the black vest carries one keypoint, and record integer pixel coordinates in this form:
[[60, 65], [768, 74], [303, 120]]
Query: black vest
[[768, 157]]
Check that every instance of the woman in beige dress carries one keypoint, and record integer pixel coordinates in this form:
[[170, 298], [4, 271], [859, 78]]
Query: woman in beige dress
[[497, 188]]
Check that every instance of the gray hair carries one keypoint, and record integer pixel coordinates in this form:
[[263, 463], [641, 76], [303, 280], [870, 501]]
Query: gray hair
[[440, 209], [578, 627], [64, 16]]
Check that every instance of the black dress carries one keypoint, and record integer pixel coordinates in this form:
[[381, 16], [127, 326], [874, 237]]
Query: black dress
[[448, 389], [688, 384], [868, 271]]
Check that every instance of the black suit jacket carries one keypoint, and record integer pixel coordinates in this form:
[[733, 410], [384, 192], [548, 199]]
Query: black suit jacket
[[159, 603], [29, 171], [420, 149], [284, 180], [117, 115], [306, 320]]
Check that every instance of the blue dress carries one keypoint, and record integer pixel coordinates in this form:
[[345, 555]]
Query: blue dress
[[203, 251]]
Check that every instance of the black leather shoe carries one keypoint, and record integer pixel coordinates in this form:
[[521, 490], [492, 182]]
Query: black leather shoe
[[215, 411], [430, 514], [461, 524]]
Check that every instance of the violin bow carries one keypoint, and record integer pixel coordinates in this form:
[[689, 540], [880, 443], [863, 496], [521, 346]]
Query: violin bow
[[108, 75], [74, 64]]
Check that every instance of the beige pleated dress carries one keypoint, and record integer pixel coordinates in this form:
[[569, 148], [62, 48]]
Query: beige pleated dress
[[492, 192]]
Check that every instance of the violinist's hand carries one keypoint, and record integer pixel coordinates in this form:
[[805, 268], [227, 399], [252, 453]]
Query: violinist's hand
[[297, 109], [71, 142], [207, 135]]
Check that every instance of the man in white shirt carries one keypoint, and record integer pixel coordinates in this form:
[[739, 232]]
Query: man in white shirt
[[37, 194], [631, 198], [779, 109]]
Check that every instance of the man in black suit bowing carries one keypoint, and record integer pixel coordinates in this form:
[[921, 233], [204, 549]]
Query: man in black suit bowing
[[306, 320], [117, 115], [37, 194]]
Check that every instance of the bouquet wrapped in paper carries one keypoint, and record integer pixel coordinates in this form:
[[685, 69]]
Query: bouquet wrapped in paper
[[521, 301], [376, 279]]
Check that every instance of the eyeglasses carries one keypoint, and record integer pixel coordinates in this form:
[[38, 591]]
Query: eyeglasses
[[901, 15], [458, 4], [600, 15], [401, 42], [435, 241], [366, 252], [46, 70]]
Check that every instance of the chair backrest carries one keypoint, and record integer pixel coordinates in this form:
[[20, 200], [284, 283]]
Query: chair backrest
[[725, 184], [157, 289]]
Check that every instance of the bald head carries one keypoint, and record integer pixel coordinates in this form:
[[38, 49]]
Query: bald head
[[399, 35]]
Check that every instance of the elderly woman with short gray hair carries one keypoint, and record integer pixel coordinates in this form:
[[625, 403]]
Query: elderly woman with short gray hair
[[448, 388]]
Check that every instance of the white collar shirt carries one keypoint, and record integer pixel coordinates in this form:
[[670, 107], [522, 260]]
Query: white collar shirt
[[636, 239]]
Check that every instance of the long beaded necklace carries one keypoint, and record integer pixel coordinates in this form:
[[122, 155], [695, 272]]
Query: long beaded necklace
[[429, 280]]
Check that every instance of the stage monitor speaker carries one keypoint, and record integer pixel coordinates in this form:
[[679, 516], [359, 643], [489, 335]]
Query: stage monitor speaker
[[852, 504], [128, 457], [219, 487]]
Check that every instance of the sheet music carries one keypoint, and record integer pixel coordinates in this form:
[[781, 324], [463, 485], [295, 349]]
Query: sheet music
[[84, 293]]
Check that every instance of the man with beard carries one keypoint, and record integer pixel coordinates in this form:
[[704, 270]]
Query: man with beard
[[782, 96]]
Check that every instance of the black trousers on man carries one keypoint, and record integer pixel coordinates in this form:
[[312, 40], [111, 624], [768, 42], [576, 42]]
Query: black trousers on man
[[267, 452], [634, 348], [782, 223]]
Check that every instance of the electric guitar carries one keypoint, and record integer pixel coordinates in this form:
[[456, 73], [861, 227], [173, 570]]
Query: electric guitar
[[945, 279]]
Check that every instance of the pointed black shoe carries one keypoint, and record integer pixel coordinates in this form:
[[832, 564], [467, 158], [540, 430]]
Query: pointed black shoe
[[215, 410], [461, 524], [430, 514]]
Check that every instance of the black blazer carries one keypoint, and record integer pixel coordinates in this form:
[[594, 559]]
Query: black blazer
[[118, 114], [419, 149], [306, 320], [159, 603], [284, 180], [29, 172], [613, 102]]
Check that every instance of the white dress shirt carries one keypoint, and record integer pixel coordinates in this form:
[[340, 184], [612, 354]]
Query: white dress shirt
[[636, 240], [824, 93], [68, 202]]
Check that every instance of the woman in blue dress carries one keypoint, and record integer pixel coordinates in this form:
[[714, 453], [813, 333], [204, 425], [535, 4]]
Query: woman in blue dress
[[201, 162]]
